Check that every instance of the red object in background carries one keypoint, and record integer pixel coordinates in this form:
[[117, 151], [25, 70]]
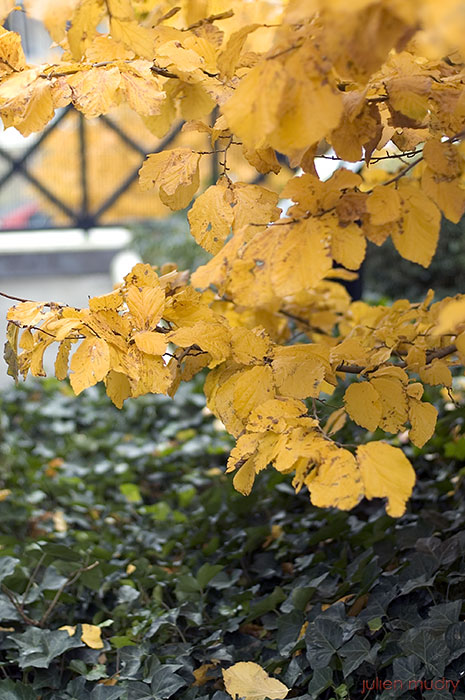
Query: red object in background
[[19, 218]]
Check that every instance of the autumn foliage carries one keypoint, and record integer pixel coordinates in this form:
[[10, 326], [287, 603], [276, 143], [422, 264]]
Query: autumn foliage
[[382, 82]]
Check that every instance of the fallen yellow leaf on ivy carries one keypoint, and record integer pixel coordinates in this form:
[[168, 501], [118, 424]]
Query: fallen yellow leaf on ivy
[[251, 682]]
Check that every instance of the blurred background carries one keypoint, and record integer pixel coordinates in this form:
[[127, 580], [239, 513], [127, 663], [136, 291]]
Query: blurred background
[[73, 220]]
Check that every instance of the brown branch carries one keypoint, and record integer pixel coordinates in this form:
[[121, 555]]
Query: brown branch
[[18, 607], [72, 579], [430, 356]]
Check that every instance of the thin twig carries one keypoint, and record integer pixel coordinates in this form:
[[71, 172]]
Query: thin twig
[[72, 579]]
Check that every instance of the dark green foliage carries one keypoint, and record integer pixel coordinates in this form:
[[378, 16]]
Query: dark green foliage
[[386, 274], [218, 578]]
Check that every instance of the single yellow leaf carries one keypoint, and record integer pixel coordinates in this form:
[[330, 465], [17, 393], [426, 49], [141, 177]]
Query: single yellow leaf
[[297, 371], [11, 52], [348, 246], [229, 57], [244, 478], [141, 88], [336, 481], [383, 205], [393, 400], [451, 315], [363, 405], [135, 36], [106, 302], [62, 360], [89, 364], [151, 342], [211, 216], [117, 387], [417, 233], [146, 305], [436, 372], [95, 90], [422, 418], [386, 473], [250, 681], [92, 636]]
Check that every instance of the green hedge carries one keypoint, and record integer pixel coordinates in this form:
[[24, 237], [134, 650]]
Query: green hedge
[[190, 572]]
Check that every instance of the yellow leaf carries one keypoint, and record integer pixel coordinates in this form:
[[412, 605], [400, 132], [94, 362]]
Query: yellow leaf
[[117, 387], [89, 364], [244, 478], [211, 337], [393, 401], [146, 305], [104, 48], [336, 481], [248, 346], [4, 493], [195, 101], [62, 360], [11, 52], [383, 205], [141, 88], [302, 247], [250, 681], [151, 342], [443, 158], [83, 28], [422, 418], [142, 275], [94, 90], [451, 315], [446, 192], [252, 387], [409, 94], [182, 60], [386, 473], [417, 234], [175, 172], [363, 405], [201, 674], [27, 313], [92, 636], [71, 629], [229, 57], [253, 111], [211, 216], [436, 372], [336, 421], [275, 415], [136, 37], [297, 372], [106, 302], [348, 246]]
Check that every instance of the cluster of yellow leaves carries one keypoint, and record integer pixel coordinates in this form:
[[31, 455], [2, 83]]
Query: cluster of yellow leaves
[[382, 83]]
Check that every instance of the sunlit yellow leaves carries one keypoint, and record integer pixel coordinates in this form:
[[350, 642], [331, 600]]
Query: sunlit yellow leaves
[[386, 473], [175, 172], [363, 405], [89, 364], [250, 681], [94, 90], [248, 346], [244, 478], [11, 52], [383, 205], [422, 417], [106, 302], [62, 360], [211, 216], [417, 236]]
